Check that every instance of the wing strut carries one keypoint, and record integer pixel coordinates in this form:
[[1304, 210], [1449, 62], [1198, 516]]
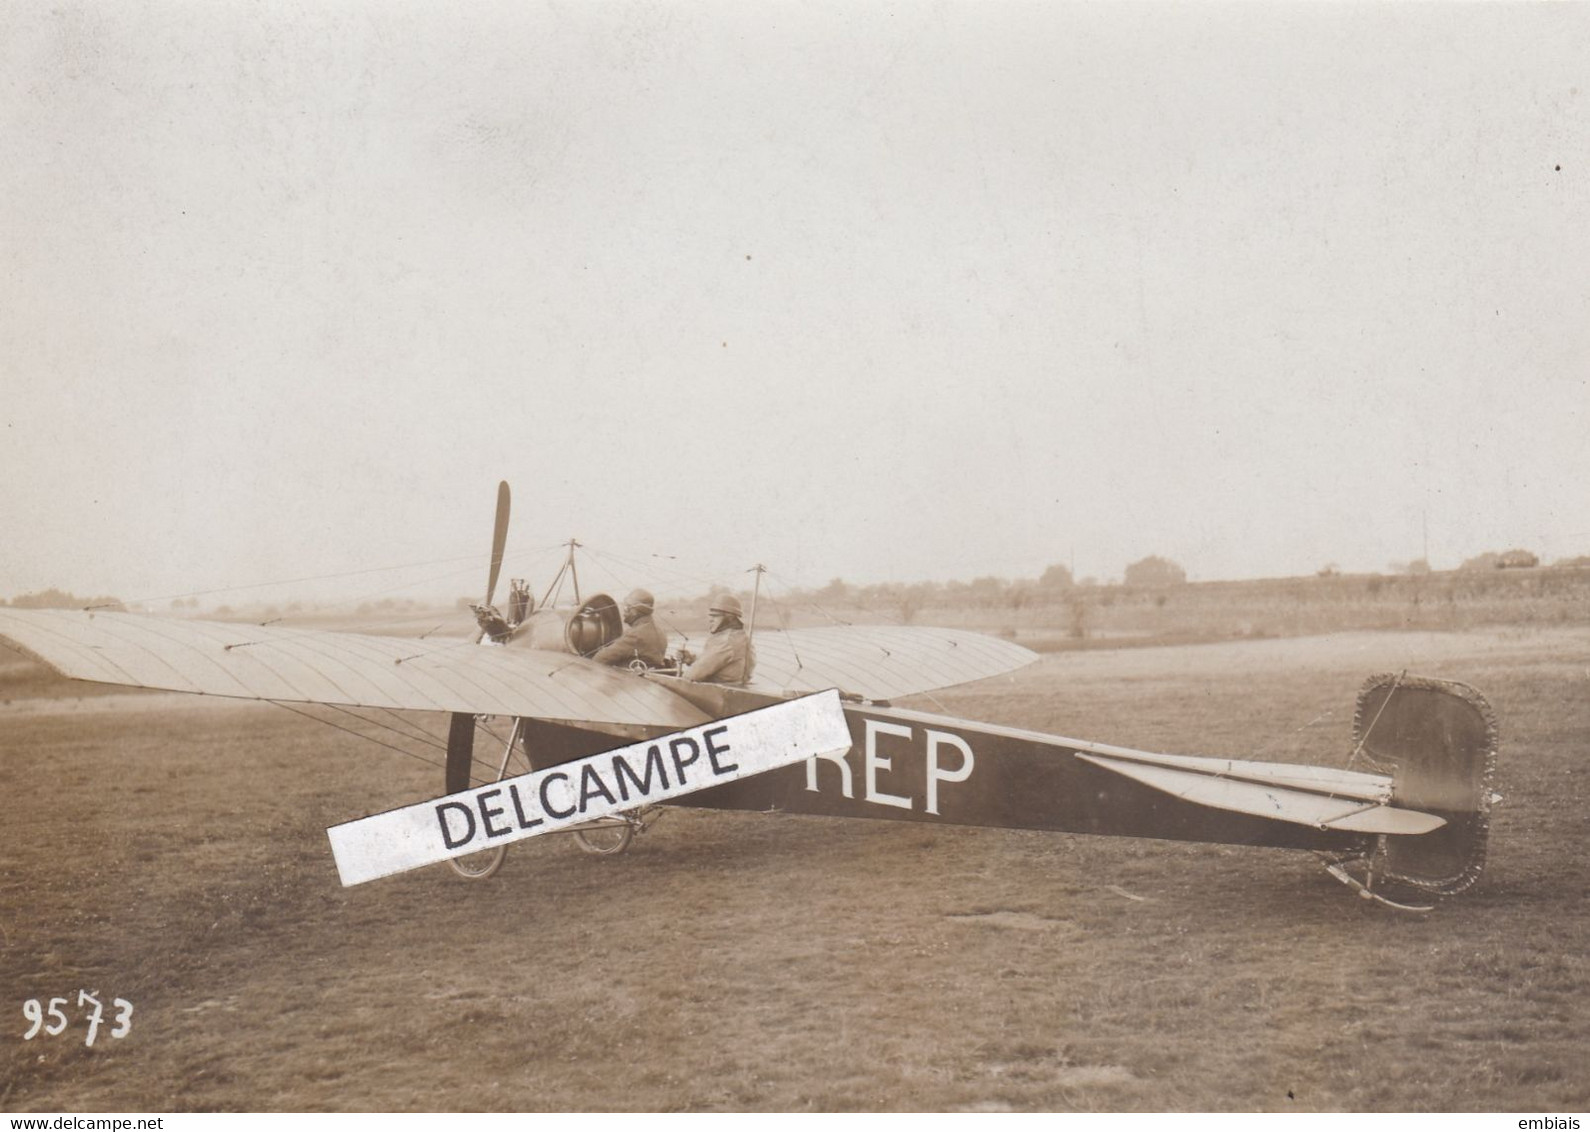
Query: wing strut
[[460, 751]]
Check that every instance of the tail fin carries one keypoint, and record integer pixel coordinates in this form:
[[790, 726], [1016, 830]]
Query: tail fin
[[1438, 740]]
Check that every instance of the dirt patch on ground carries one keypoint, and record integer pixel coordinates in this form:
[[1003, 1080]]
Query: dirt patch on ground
[[1013, 921]]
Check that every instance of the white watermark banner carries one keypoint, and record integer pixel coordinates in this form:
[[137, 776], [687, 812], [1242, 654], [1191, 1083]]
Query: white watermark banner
[[544, 801]]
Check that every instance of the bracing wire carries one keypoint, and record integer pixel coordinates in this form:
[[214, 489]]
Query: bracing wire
[[672, 576], [458, 616], [295, 581], [422, 737], [1360, 753], [623, 584], [1275, 744], [799, 663], [812, 605], [358, 734], [355, 599], [379, 742], [596, 560]]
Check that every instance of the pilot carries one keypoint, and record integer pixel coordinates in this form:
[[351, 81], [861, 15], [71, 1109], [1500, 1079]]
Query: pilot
[[642, 641], [727, 657]]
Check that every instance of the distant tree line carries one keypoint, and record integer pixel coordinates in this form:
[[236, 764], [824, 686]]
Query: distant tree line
[[1055, 586], [61, 599], [1502, 560]]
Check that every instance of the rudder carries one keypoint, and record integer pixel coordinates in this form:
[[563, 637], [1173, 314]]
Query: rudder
[[1438, 740]]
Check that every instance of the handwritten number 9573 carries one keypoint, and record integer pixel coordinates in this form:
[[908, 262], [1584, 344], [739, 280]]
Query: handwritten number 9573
[[52, 1019]]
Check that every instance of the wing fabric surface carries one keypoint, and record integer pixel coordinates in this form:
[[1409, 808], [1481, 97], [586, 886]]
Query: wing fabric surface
[[880, 661], [351, 669]]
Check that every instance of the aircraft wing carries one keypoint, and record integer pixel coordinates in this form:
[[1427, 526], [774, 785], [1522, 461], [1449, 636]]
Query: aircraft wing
[[350, 669], [880, 661]]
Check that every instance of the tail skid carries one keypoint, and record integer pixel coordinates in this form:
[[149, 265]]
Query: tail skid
[[1366, 887]]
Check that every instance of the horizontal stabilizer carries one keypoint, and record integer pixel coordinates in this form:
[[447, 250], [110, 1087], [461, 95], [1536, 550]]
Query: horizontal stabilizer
[[1283, 793]]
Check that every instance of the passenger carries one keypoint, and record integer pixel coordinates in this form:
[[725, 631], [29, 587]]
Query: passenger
[[727, 657], [642, 640]]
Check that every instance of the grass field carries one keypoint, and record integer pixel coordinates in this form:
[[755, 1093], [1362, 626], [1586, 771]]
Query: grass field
[[170, 851]]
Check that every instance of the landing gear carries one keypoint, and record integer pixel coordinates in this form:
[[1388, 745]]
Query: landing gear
[[479, 866], [603, 837], [608, 837], [514, 761]]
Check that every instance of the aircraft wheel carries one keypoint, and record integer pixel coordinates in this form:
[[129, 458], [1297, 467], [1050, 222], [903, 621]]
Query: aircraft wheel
[[511, 761], [605, 839], [479, 866]]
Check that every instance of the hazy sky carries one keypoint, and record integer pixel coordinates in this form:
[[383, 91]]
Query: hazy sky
[[874, 291]]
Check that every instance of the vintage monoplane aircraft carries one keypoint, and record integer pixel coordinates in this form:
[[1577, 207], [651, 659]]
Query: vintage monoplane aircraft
[[1416, 831]]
